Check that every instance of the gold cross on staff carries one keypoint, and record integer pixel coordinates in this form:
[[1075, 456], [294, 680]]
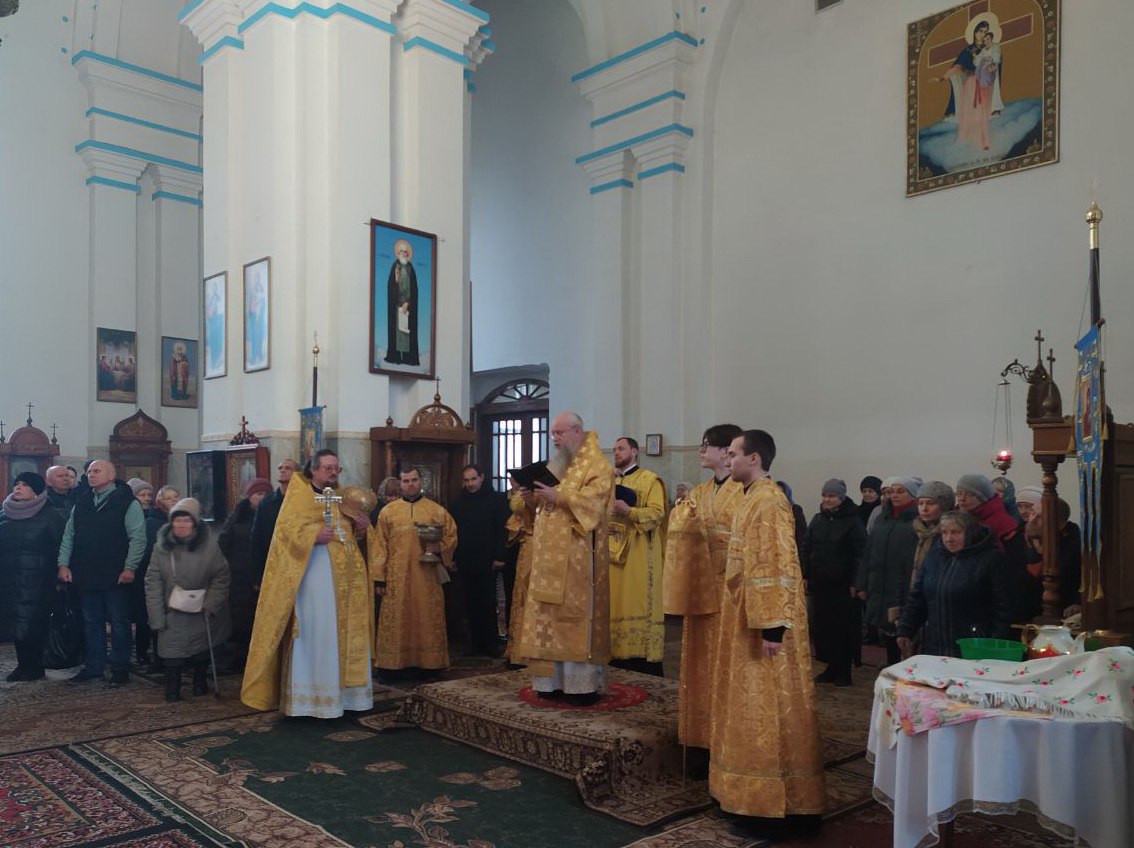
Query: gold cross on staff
[[30, 405]]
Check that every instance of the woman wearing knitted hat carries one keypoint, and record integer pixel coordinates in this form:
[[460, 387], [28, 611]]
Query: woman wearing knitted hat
[[933, 500], [187, 555], [837, 541], [960, 591], [144, 495], [871, 491], [235, 542], [29, 551], [885, 570], [976, 495]]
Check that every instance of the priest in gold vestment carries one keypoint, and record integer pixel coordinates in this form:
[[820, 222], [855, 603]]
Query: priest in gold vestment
[[565, 638], [637, 554], [310, 650], [411, 621], [700, 526], [765, 758]]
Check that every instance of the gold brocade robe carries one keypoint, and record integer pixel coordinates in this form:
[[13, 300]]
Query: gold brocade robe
[[411, 620], [637, 623], [519, 529], [567, 614], [696, 551], [765, 758], [276, 627]]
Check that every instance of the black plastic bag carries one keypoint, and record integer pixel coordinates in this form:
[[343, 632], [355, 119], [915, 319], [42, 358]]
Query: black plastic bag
[[65, 643]]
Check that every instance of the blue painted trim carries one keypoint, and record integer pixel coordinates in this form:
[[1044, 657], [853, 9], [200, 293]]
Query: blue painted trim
[[189, 7], [621, 113], [479, 14], [629, 54], [468, 73], [118, 116], [661, 169], [227, 41], [485, 31], [308, 9], [608, 186], [137, 69], [489, 45], [180, 198], [638, 139], [418, 41], [137, 154], [471, 86], [113, 184]]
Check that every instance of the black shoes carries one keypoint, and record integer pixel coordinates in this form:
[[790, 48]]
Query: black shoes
[[119, 678], [200, 681], [172, 685], [23, 675], [84, 676]]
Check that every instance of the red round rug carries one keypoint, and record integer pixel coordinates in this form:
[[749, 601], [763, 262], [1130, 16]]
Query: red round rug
[[617, 697]]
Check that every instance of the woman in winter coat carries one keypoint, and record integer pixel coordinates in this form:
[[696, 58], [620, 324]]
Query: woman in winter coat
[[187, 555], [235, 542], [29, 552], [836, 541], [961, 590], [885, 572]]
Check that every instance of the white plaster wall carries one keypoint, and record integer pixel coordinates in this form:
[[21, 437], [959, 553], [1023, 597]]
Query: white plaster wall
[[530, 207], [865, 330], [43, 229]]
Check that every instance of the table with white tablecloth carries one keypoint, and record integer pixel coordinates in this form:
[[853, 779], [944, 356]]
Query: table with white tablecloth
[[1076, 776]]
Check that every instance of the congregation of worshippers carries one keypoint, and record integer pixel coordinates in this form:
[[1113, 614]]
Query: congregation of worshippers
[[314, 591]]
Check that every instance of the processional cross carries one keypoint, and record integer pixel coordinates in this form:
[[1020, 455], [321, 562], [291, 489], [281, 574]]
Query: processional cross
[[327, 498]]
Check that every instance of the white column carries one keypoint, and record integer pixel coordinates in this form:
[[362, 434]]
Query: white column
[[318, 119], [641, 141]]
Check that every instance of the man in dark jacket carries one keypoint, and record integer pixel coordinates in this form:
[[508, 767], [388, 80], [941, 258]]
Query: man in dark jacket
[[102, 547], [60, 490], [264, 522], [480, 514]]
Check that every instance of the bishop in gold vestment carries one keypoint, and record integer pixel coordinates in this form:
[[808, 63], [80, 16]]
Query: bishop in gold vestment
[[411, 621], [301, 659], [765, 758], [565, 638], [696, 552], [637, 554]]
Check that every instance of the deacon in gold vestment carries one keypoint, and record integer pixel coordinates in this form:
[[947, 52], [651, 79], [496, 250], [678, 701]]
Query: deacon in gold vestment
[[765, 758], [565, 638], [637, 553], [310, 650], [411, 622], [700, 527]]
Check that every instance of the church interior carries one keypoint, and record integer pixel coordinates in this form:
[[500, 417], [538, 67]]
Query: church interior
[[625, 208]]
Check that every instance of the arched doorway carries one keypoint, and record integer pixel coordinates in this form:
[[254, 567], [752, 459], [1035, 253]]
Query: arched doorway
[[512, 428]]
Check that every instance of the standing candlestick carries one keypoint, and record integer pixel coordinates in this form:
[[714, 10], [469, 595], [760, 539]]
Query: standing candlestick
[[315, 372]]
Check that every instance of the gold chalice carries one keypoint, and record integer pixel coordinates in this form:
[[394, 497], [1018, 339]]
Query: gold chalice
[[427, 533]]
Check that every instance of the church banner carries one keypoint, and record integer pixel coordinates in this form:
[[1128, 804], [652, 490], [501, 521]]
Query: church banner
[[1090, 434], [403, 300], [982, 92]]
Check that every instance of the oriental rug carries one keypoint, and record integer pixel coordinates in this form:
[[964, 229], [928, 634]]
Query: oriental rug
[[272, 781], [52, 712], [54, 799], [626, 762]]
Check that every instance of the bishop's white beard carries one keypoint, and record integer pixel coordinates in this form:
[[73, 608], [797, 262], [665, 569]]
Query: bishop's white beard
[[560, 460]]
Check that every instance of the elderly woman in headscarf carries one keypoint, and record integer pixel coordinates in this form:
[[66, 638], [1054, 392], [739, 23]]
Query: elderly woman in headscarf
[[888, 563], [960, 590], [187, 556], [975, 494], [1007, 491], [235, 542], [836, 542], [29, 551]]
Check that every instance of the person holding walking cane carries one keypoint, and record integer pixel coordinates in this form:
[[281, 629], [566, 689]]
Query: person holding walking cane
[[187, 597]]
